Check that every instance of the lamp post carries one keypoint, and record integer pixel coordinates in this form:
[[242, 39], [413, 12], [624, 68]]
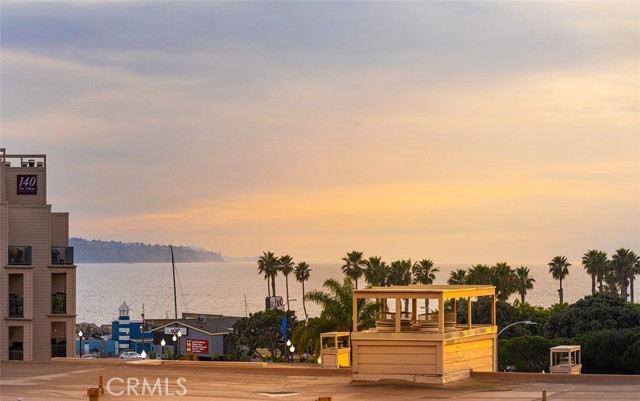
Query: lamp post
[[513, 324], [163, 343], [285, 307], [80, 336], [179, 336], [527, 322]]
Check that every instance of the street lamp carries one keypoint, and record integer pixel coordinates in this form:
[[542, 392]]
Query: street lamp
[[179, 335], [528, 322], [80, 335], [513, 324], [163, 343]]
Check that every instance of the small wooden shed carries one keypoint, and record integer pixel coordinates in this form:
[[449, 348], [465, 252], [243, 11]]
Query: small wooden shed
[[565, 359], [429, 347], [336, 349]]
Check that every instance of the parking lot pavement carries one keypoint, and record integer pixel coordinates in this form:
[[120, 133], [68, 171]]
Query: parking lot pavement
[[150, 380]]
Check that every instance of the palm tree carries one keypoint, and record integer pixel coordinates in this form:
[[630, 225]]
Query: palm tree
[[268, 264], [424, 273], [504, 278], [262, 269], [457, 277], [524, 281], [286, 267], [559, 269], [479, 274], [302, 273], [624, 263], [337, 305], [400, 274], [596, 264], [353, 266], [376, 272]]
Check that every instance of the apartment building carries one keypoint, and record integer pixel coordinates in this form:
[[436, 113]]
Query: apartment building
[[38, 280]]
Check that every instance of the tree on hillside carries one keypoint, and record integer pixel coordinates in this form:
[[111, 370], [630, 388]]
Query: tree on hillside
[[594, 312], [596, 264], [376, 271], [524, 281], [353, 266], [559, 269], [285, 265], [303, 272], [424, 273], [268, 264]]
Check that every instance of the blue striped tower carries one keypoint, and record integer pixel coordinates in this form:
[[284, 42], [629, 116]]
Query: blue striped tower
[[123, 328]]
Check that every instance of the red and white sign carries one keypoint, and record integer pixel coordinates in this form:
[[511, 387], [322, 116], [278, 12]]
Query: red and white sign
[[27, 184], [198, 346]]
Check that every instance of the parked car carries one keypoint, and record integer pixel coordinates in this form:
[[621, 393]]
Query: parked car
[[130, 355], [92, 355]]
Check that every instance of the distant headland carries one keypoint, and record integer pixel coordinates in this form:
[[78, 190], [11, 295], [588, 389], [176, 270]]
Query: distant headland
[[98, 251]]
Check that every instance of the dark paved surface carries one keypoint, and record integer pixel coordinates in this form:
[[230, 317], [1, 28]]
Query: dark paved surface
[[70, 379]]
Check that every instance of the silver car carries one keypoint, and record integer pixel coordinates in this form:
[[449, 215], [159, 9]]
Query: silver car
[[130, 355]]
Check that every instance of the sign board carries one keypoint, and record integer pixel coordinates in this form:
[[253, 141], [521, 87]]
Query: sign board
[[27, 184], [175, 330], [274, 303], [198, 346]]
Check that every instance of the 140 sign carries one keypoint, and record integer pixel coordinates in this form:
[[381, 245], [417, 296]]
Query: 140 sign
[[27, 185]]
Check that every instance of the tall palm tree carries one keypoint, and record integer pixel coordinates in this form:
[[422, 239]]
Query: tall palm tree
[[303, 272], [285, 265], [268, 263], [457, 277], [337, 305], [595, 262], [353, 266], [376, 272], [524, 281], [262, 269], [559, 269], [424, 273], [479, 274], [623, 263], [400, 274], [504, 278]]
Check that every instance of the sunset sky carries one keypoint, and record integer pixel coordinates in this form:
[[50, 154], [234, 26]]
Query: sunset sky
[[464, 132]]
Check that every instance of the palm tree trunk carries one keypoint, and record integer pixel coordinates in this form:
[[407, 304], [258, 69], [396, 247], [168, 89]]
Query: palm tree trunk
[[522, 298], [273, 285], [593, 284], [286, 282], [304, 306], [268, 289], [560, 293], [631, 287]]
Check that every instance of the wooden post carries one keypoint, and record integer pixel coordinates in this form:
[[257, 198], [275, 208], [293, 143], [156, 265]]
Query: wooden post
[[493, 310], [398, 314], [355, 313], [414, 307], [94, 394], [441, 314], [469, 314]]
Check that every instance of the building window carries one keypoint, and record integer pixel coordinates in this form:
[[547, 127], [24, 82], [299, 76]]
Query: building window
[[19, 255], [59, 293], [16, 341], [61, 255], [16, 295]]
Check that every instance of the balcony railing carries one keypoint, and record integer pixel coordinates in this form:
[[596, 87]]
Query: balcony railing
[[19, 255], [61, 255], [16, 306], [59, 303]]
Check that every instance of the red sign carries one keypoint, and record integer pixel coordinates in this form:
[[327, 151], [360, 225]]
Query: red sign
[[198, 346], [27, 184]]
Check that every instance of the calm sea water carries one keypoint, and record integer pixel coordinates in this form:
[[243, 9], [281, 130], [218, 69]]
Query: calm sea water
[[234, 289]]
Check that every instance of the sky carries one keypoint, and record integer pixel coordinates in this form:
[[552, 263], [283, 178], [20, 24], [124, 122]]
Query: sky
[[462, 132]]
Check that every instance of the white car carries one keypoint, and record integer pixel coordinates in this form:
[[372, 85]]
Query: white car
[[130, 355], [90, 356]]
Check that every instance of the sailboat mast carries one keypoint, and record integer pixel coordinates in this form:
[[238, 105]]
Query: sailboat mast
[[175, 298]]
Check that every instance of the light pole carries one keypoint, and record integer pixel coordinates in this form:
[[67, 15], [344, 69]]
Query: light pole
[[163, 343], [285, 307], [80, 335], [528, 322], [513, 324], [179, 335]]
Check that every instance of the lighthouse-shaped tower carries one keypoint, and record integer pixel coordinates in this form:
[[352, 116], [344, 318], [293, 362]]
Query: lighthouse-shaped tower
[[123, 328]]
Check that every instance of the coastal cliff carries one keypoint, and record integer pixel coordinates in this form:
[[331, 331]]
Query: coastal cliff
[[98, 251]]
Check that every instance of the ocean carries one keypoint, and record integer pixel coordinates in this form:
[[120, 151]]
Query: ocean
[[236, 289]]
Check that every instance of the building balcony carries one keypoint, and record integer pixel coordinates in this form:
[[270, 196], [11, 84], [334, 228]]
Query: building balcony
[[61, 255], [19, 255], [16, 304], [59, 303]]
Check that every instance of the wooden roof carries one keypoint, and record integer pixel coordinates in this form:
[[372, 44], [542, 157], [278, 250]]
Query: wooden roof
[[421, 291]]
